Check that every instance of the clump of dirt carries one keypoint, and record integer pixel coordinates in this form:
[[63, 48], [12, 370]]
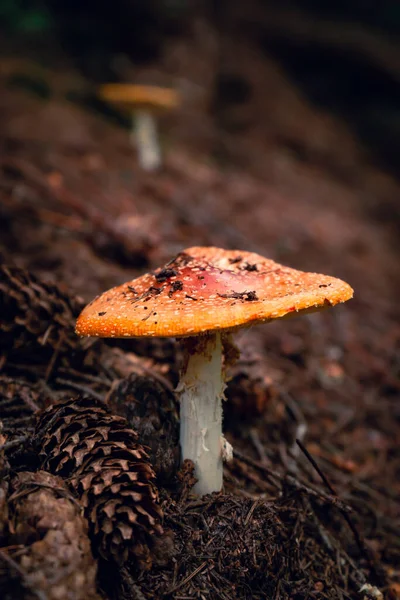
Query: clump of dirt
[[230, 547]]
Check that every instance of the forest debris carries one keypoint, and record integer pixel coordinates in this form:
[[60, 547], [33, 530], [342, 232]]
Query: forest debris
[[84, 389], [13, 443], [279, 481], [152, 411], [17, 397], [4, 468], [370, 592], [36, 314], [18, 402], [250, 389], [359, 539], [128, 239], [109, 470], [48, 553], [252, 548]]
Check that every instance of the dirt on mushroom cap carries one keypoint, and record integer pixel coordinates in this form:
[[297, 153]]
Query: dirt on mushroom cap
[[208, 289]]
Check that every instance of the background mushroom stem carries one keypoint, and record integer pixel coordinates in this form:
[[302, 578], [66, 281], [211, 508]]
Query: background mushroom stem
[[145, 137], [201, 390]]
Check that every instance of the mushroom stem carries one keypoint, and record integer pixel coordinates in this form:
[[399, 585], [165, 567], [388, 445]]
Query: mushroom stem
[[144, 135], [201, 390]]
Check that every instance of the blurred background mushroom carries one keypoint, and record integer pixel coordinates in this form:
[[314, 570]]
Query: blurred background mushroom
[[144, 103]]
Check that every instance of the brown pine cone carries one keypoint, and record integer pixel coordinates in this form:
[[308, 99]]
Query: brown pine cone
[[48, 541], [81, 440], [152, 410], [250, 387], [36, 313]]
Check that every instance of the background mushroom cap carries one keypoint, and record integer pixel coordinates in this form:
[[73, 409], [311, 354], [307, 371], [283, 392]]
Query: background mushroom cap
[[131, 96], [208, 289]]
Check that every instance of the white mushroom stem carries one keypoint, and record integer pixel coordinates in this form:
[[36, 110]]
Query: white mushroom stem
[[144, 135], [201, 390]]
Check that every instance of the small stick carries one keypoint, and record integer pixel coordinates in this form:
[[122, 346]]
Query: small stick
[[316, 467], [294, 482], [359, 540], [54, 356], [187, 579], [10, 424], [80, 388], [250, 513], [87, 376], [258, 446], [13, 443]]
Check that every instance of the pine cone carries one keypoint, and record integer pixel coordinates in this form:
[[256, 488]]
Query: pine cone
[[250, 389], [36, 313], [152, 410], [80, 439], [48, 541]]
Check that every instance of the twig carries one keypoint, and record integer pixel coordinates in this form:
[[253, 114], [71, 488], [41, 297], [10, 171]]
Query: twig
[[80, 388], [54, 356], [258, 446], [359, 540], [10, 424], [87, 376], [250, 513], [136, 592], [187, 579], [316, 467], [294, 482], [254, 477], [301, 426], [16, 442]]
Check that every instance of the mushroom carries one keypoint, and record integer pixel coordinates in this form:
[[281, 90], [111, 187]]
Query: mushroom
[[202, 296], [143, 102]]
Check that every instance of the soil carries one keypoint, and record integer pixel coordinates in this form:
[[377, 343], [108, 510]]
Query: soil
[[310, 507]]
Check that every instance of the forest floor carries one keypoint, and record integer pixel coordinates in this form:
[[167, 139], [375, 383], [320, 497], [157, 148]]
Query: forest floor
[[77, 211]]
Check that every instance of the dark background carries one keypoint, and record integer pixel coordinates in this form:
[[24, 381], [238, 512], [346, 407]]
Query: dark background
[[343, 55]]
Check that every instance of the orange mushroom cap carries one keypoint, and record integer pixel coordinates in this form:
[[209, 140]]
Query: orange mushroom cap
[[131, 96], [208, 289]]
